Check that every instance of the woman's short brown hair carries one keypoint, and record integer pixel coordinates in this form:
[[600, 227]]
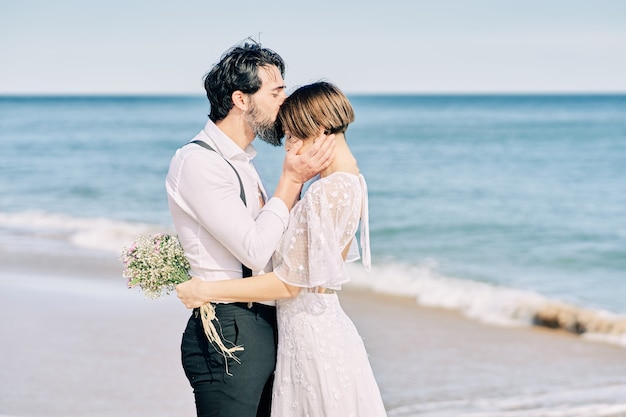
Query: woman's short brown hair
[[313, 108]]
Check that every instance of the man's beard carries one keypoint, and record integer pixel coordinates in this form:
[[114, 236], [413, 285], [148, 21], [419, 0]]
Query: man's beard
[[272, 134], [267, 130]]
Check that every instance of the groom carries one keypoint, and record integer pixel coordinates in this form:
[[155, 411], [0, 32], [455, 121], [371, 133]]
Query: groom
[[229, 228]]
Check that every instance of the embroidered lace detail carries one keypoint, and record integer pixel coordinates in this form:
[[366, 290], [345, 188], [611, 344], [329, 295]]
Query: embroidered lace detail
[[322, 368], [321, 226]]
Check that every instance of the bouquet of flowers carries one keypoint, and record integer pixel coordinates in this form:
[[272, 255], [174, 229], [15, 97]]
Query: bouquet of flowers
[[156, 264]]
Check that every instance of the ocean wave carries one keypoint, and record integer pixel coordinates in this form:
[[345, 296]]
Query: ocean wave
[[485, 302], [90, 233], [489, 303]]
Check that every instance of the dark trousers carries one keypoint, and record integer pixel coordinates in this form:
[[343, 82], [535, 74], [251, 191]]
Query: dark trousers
[[245, 391]]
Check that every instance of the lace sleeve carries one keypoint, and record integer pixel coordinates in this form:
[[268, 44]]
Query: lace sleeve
[[322, 225]]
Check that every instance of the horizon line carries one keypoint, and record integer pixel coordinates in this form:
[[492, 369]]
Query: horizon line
[[354, 93]]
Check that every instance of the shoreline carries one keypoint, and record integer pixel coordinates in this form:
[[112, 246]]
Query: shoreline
[[485, 302]]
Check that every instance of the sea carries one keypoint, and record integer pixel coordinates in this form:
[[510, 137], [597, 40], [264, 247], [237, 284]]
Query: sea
[[509, 209]]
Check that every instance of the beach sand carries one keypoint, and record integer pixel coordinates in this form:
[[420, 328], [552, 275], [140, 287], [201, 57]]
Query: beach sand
[[76, 342]]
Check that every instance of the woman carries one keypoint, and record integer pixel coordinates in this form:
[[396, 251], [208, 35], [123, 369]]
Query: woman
[[322, 367]]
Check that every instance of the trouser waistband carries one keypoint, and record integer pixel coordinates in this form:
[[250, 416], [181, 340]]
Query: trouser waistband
[[234, 308]]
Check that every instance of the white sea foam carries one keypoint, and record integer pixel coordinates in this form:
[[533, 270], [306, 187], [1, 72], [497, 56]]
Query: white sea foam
[[489, 303], [99, 233], [481, 301]]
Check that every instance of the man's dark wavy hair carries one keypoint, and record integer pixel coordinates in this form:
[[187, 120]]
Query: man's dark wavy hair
[[238, 69]]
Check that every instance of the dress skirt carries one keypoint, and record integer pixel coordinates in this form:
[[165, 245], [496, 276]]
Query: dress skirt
[[322, 368]]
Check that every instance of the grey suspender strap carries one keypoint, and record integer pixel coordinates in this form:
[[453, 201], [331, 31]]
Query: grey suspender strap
[[242, 194], [246, 272]]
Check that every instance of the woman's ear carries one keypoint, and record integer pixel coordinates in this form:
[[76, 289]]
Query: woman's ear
[[240, 100]]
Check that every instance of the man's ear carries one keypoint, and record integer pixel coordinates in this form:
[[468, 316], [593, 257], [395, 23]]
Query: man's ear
[[240, 100]]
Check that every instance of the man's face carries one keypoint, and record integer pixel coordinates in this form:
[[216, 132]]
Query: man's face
[[265, 103]]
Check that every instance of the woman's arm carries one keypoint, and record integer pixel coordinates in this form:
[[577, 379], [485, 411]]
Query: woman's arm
[[196, 292]]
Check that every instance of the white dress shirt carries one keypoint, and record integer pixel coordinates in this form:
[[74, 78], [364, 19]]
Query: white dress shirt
[[216, 230]]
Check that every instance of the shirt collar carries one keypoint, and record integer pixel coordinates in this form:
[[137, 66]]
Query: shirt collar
[[225, 145]]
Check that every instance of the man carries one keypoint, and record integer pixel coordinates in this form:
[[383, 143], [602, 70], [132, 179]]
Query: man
[[229, 229]]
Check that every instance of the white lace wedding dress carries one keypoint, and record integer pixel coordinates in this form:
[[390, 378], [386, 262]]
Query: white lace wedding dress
[[322, 368]]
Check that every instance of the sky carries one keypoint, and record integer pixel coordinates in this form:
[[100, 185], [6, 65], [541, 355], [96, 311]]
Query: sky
[[364, 46]]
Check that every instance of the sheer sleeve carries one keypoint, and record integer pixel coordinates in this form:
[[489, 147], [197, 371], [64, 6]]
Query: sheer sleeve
[[322, 225]]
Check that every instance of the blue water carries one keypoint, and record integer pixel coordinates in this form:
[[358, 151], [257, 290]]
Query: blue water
[[521, 193]]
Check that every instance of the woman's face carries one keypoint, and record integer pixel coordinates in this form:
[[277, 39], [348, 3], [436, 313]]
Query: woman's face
[[291, 140]]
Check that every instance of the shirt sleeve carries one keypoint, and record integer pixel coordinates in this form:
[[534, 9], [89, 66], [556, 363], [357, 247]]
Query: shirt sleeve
[[208, 190], [322, 225]]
